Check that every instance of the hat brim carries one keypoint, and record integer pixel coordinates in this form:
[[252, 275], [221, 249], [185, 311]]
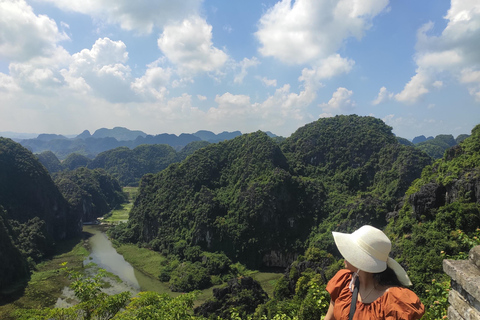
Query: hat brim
[[356, 255]]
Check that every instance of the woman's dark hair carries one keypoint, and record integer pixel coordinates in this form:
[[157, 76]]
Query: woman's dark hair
[[387, 278]]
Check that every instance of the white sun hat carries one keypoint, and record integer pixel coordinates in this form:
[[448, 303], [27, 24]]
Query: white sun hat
[[367, 249]]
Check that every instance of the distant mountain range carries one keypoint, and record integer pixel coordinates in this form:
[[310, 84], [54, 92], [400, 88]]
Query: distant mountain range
[[103, 139]]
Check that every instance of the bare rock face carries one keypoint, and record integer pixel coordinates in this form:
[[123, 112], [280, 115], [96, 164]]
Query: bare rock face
[[279, 259], [467, 187], [430, 196]]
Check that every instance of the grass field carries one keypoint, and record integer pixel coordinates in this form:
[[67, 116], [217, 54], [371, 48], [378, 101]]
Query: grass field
[[267, 280], [145, 260], [47, 281], [121, 214]]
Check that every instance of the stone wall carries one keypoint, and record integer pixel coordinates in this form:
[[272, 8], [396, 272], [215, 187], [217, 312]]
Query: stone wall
[[464, 297]]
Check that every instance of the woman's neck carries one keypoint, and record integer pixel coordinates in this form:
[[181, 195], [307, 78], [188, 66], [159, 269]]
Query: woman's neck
[[369, 289], [366, 280]]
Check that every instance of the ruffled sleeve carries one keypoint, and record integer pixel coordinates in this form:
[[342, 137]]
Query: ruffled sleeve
[[341, 279], [401, 303]]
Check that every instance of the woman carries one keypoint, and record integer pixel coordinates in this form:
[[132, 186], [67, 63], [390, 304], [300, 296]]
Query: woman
[[375, 282]]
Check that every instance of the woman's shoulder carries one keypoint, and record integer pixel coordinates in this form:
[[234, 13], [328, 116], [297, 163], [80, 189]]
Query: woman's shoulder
[[342, 275], [339, 281], [401, 293], [401, 300]]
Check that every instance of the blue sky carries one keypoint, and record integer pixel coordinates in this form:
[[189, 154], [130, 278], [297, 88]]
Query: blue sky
[[181, 66]]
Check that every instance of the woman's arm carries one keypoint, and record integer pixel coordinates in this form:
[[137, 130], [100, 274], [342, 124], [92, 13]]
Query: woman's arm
[[329, 315]]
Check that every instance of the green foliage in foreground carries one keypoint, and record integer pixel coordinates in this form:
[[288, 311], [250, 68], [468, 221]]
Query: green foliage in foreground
[[93, 303]]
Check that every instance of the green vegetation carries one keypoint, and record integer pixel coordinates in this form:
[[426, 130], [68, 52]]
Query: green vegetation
[[254, 199], [143, 259], [90, 193], [33, 213], [129, 165], [118, 215], [74, 161], [253, 202], [46, 282], [440, 218], [125, 164], [122, 211], [436, 147]]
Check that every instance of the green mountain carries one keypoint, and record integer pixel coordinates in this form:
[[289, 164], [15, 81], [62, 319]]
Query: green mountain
[[50, 161], [33, 212], [126, 165], [445, 199], [106, 139], [129, 165], [436, 147], [27, 191], [91, 193], [258, 201], [226, 193], [74, 161]]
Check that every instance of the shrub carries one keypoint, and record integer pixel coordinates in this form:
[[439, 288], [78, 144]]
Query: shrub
[[188, 277]]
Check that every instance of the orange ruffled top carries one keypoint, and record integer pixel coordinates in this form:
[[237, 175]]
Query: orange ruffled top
[[395, 303]]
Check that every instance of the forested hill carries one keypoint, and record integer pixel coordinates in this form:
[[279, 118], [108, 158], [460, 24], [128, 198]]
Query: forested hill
[[27, 191], [441, 212], [33, 212], [258, 201], [90, 193], [125, 164]]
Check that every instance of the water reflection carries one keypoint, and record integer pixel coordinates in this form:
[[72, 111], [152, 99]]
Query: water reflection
[[106, 257]]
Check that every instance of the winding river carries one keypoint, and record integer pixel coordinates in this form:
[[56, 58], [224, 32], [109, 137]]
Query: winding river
[[104, 255]]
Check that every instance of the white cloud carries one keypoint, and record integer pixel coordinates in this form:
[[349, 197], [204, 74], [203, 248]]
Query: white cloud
[[189, 45], [139, 15], [327, 68], [455, 52], [7, 84], [383, 96], [268, 82], [309, 30], [469, 75], [339, 103], [102, 70], [24, 35], [284, 111], [201, 98], [153, 84], [244, 65], [416, 88]]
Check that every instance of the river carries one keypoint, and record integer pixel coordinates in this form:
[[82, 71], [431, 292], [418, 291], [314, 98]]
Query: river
[[104, 255]]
